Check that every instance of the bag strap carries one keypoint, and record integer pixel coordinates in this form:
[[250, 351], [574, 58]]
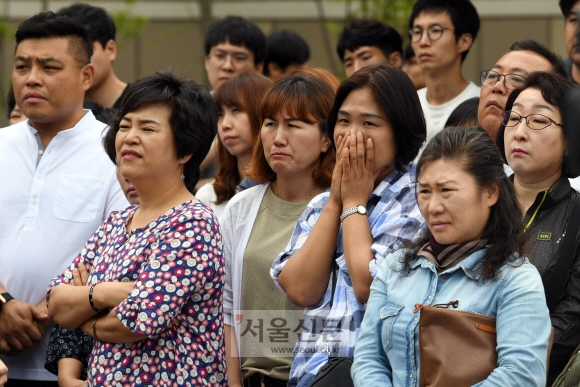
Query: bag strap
[[334, 274], [565, 259]]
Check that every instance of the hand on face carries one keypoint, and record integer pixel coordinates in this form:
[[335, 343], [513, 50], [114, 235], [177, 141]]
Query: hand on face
[[357, 161]]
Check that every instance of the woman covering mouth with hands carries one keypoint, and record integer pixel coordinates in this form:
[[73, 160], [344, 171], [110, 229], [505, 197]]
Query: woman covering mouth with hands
[[371, 210]]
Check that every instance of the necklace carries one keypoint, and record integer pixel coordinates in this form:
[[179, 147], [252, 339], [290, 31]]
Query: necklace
[[307, 197]]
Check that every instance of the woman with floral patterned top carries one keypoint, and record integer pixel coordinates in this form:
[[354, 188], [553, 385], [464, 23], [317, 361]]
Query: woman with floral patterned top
[[153, 300]]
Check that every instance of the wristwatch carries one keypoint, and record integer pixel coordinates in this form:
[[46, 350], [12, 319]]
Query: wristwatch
[[360, 209], [4, 298]]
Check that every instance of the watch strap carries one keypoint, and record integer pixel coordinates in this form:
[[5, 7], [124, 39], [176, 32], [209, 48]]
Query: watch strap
[[350, 211], [4, 298]]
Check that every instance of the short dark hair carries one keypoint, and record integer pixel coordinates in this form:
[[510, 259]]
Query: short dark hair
[[368, 32], [535, 47], [99, 24], [566, 6], [479, 157], [285, 48], [465, 114], [193, 117], [307, 99], [463, 15], [10, 102], [554, 88], [394, 92], [49, 25], [238, 31]]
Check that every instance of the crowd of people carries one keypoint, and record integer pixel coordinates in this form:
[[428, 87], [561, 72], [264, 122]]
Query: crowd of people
[[286, 228]]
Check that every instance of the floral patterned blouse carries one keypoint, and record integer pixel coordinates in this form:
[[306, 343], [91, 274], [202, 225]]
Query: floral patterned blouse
[[178, 266]]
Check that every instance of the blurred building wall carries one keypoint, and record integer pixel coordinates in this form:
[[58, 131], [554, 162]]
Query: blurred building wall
[[174, 36]]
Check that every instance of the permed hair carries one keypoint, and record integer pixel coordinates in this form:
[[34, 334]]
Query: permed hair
[[49, 25], [193, 117]]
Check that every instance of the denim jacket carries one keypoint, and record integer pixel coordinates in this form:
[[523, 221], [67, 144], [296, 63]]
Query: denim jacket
[[387, 350]]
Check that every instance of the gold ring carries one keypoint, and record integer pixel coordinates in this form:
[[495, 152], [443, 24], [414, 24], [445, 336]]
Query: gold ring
[[38, 327]]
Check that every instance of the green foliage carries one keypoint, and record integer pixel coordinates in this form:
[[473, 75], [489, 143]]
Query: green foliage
[[129, 26], [395, 13]]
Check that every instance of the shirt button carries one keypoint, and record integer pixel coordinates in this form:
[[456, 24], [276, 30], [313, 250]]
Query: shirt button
[[444, 277], [33, 201], [430, 297], [40, 152], [39, 177], [411, 375]]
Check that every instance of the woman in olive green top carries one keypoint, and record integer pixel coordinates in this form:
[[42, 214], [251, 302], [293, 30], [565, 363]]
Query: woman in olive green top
[[293, 159]]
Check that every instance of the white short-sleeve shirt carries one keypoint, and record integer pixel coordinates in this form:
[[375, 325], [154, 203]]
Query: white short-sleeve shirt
[[47, 212]]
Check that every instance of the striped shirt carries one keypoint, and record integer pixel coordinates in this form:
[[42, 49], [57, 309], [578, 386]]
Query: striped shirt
[[394, 219]]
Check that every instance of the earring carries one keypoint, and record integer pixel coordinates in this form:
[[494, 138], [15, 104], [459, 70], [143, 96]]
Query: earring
[[182, 177], [182, 161]]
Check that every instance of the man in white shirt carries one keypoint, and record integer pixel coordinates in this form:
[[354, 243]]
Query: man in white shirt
[[58, 185], [441, 34]]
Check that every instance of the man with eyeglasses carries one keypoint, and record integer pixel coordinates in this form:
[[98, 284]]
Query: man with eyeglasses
[[233, 46], [510, 71], [441, 34]]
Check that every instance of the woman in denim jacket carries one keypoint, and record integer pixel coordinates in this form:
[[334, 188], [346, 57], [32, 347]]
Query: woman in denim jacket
[[469, 254]]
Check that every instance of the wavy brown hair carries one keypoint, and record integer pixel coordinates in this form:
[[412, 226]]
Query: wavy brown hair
[[307, 99], [243, 92]]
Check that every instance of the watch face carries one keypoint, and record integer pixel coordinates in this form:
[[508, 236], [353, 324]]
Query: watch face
[[361, 210]]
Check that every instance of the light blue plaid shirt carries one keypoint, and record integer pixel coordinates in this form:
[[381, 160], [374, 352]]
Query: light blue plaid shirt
[[395, 219]]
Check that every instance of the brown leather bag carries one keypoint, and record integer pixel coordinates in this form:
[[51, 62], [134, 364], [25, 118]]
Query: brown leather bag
[[457, 348]]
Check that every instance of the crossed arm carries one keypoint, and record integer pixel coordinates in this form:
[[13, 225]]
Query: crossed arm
[[69, 307]]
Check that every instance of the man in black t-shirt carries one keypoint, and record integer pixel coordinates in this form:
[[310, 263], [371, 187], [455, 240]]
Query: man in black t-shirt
[[107, 90]]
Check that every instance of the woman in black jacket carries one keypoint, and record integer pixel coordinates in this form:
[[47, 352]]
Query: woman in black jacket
[[532, 139]]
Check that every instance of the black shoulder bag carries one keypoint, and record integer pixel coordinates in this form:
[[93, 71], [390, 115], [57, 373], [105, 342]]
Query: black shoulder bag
[[560, 279]]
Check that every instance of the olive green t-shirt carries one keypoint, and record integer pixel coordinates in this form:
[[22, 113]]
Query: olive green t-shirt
[[270, 235]]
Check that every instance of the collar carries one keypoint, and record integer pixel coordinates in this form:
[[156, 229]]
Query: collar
[[558, 192], [69, 131], [467, 265]]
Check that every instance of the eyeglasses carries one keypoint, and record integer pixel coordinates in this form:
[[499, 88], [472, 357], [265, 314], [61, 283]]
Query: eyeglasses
[[510, 81], [434, 32], [534, 121], [237, 59]]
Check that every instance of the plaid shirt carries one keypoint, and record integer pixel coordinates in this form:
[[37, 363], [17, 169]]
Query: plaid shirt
[[394, 218]]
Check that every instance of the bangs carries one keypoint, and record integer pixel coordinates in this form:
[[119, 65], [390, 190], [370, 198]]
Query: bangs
[[229, 94], [292, 98]]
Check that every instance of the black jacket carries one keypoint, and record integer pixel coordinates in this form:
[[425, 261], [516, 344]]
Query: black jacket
[[542, 247]]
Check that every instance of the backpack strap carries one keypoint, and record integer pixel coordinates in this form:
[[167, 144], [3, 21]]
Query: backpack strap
[[560, 279]]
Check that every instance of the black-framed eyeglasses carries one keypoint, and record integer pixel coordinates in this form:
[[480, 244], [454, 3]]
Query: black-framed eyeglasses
[[510, 81], [534, 121], [434, 32]]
